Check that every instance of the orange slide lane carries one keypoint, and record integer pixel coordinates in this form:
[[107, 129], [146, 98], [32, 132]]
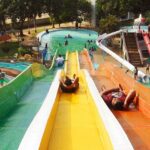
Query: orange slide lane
[[133, 121]]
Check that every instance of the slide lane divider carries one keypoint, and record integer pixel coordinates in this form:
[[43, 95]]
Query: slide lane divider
[[34, 134]]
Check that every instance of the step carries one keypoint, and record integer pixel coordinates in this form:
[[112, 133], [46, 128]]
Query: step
[[132, 47], [131, 42], [133, 51], [134, 56], [136, 63], [130, 39], [129, 35], [133, 59]]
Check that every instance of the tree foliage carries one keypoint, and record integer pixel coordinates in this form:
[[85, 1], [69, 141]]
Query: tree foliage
[[58, 10], [68, 10], [109, 24], [111, 9]]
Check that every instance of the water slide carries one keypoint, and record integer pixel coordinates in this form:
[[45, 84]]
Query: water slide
[[110, 76], [14, 125], [147, 40], [73, 121], [134, 121]]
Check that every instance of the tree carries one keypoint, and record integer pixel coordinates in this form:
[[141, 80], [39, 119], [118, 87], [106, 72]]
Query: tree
[[3, 13], [147, 15], [56, 11], [76, 10], [34, 9], [118, 9], [84, 10], [108, 24], [67, 10], [19, 9], [49, 10]]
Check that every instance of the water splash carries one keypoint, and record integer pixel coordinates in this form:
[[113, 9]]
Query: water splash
[[93, 3]]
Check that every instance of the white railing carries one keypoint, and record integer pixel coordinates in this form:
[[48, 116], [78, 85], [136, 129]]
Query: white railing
[[125, 47]]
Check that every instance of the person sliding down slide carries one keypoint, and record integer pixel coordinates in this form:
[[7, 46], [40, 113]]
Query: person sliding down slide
[[69, 85], [116, 98], [59, 61]]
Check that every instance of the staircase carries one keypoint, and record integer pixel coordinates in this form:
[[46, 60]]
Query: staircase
[[134, 56]]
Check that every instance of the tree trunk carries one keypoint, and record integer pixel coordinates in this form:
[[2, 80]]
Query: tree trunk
[[21, 27], [76, 25], [35, 24], [28, 26], [21, 32], [4, 23], [53, 24]]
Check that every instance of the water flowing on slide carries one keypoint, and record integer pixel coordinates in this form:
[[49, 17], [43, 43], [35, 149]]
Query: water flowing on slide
[[76, 125]]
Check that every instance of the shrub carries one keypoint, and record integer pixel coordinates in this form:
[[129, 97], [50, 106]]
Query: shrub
[[5, 49], [8, 48], [22, 51]]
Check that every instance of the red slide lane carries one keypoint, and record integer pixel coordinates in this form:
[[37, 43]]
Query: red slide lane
[[147, 41]]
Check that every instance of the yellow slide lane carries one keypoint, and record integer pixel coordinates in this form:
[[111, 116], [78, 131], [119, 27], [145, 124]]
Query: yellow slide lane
[[77, 125], [71, 65]]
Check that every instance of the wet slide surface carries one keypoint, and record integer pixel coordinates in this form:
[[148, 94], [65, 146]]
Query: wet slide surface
[[75, 125], [134, 123], [13, 127], [137, 127]]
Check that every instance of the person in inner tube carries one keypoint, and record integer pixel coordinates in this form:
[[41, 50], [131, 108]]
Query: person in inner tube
[[69, 83]]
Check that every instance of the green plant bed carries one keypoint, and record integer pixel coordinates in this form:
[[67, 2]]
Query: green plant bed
[[8, 49]]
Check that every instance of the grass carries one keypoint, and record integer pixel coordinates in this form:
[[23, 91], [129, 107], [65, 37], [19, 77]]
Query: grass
[[38, 30]]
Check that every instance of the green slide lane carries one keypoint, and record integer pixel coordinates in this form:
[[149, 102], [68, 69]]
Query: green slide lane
[[12, 128]]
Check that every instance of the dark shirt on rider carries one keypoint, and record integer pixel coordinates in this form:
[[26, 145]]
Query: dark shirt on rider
[[108, 97], [68, 82]]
